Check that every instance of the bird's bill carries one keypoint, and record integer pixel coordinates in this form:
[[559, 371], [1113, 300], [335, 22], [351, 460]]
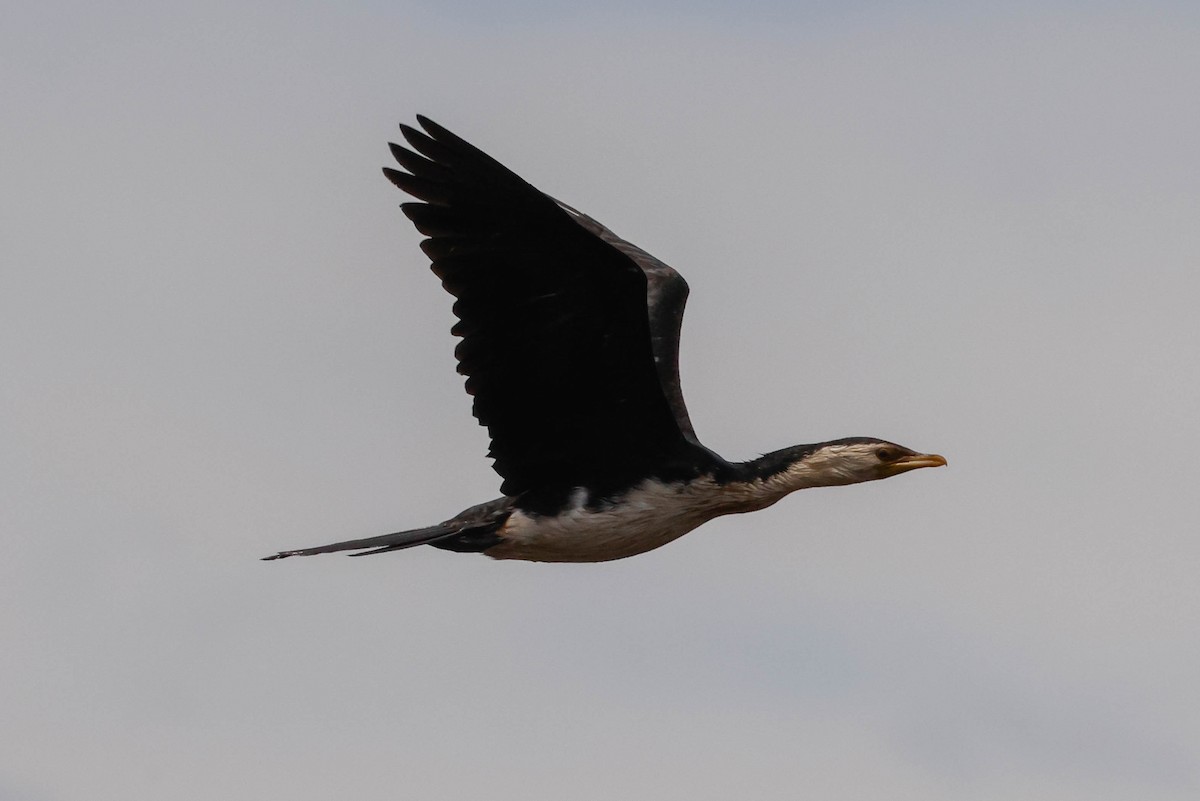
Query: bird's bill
[[917, 460]]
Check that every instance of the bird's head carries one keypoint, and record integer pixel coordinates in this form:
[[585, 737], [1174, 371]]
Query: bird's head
[[843, 461]]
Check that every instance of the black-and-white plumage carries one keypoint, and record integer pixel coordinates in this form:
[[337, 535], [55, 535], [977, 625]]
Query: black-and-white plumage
[[570, 346]]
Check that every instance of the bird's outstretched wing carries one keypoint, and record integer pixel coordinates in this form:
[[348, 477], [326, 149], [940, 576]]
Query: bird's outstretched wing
[[569, 333]]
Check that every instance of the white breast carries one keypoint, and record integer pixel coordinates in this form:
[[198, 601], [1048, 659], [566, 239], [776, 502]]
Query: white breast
[[648, 516]]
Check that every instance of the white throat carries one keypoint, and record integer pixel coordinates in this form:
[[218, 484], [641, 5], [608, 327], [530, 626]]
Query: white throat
[[830, 466]]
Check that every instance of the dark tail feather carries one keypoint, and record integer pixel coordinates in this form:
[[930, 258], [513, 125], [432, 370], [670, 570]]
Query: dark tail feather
[[380, 544]]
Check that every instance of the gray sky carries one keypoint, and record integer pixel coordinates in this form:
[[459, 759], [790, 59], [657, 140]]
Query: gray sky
[[969, 230]]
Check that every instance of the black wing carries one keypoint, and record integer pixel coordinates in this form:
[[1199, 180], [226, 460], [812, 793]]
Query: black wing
[[569, 334]]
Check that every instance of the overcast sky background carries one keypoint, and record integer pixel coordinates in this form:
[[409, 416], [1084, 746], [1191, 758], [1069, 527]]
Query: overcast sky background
[[969, 228]]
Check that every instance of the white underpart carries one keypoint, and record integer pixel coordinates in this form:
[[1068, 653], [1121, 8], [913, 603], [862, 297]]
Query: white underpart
[[653, 513], [649, 516]]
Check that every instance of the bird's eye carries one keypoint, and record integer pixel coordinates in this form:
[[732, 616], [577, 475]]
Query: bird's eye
[[886, 454]]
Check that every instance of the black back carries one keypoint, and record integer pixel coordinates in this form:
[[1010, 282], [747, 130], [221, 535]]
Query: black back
[[569, 334]]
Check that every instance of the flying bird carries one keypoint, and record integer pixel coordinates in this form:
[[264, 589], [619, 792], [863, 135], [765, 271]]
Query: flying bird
[[570, 348]]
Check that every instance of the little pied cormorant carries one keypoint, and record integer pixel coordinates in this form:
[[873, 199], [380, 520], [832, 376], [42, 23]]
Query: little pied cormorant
[[570, 346]]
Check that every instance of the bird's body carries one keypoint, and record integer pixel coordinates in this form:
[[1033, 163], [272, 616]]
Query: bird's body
[[570, 345], [643, 518]]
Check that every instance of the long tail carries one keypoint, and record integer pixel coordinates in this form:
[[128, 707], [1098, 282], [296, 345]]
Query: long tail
[[381, 544], [473, 529]]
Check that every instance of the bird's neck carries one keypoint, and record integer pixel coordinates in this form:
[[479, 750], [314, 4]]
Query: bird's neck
[[799, 467], [759, 483]]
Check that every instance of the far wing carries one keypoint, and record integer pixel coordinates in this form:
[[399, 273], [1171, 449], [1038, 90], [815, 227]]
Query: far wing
[[666, 296]]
